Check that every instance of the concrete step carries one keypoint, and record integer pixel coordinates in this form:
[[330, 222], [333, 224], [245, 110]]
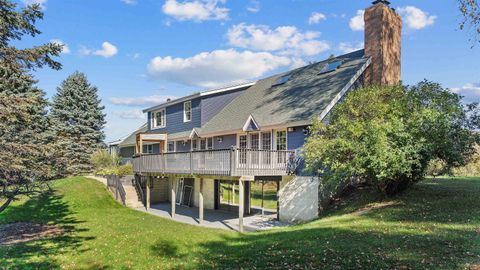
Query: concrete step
[[131, 197]]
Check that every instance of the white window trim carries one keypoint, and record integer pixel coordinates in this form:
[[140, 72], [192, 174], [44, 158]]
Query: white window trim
[[274, 133], [154, 119], [174, 146], [273, 145], [199, 145], [149, 146], [185, 111]]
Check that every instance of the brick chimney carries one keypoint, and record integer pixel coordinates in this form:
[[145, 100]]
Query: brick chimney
[[383, 33]]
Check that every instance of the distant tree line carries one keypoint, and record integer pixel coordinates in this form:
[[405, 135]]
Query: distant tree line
[[35, 145]]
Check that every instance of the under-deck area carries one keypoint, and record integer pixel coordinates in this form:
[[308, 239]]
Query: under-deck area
[[218, 219], [243, 205]]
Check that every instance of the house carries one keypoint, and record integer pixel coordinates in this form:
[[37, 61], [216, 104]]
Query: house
[[214, 144]]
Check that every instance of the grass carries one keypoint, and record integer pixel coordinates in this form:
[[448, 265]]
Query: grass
[[435, 225], [269, 195]]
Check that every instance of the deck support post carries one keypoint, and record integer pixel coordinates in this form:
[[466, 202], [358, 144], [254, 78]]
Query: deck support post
[[147, 203], [241, 204], [200, 202], [174, 197]]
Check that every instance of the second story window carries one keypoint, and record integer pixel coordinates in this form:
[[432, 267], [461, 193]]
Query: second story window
[[159, 119], [187, 111]]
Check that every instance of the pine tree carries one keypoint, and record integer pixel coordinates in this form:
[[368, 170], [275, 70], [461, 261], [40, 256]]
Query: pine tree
[[78, 122], [25, 142]]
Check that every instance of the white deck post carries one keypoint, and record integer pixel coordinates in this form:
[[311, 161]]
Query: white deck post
[[200, 201], [240, 204], [147, 203], [174, 197]]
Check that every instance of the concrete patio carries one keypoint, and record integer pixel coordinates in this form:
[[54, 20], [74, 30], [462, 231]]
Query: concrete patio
[[217, 219]]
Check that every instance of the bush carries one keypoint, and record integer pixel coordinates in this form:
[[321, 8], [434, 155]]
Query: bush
[[387, 136], [126, 169], [472, 168], [102, 160]]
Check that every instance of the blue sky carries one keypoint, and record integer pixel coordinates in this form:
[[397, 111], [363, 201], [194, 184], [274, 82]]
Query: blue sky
[[140, 52]]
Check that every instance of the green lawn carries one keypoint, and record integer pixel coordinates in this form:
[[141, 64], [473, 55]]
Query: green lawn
[[436, 225], [269, 195]]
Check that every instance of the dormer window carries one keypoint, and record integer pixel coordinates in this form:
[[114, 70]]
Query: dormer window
[[187, 111], [159, 119]]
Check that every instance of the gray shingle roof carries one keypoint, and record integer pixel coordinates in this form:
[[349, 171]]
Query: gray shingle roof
[[306, 94], [131, 140]]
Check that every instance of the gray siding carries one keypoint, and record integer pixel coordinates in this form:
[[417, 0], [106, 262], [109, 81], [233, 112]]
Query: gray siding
[[183, 148], [211, 105], [175, 118], [227, 142], [296, 138], [127, 152]]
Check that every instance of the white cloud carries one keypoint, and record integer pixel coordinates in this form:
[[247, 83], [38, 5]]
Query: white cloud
[[130, 2], [65, 48], [107, 50], [254, 6], [316, 17], [197, 10], [357, 23], [31, 2], [130, 114], [287, 40], [212, 69], [416, 18], [471, 92], [140, 101], [348, 47]]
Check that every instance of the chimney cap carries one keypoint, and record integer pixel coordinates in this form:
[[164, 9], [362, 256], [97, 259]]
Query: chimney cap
[[381, 2]]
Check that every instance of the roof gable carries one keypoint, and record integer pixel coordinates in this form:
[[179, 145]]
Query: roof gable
[[250, 124]]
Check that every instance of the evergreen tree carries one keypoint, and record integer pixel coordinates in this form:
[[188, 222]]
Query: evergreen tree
[[25, 142], [78, 122]]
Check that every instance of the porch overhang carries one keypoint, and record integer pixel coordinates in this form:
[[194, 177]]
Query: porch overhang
[[141, 138]]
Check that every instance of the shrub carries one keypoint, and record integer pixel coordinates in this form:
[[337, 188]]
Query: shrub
[[102, 160], [472, 168], [126, 169], [387, 136]]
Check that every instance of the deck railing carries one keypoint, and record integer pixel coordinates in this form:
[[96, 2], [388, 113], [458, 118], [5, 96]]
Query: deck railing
[[225, 162]]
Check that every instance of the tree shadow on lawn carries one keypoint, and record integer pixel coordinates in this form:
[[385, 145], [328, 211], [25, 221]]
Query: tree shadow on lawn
[[334, 248], [425, 230], [46, 208]]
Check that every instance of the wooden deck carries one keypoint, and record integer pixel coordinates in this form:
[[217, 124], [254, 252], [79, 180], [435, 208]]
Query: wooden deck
[[226, 162]]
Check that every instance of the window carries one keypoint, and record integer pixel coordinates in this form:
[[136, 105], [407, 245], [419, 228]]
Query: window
[[331, 67], [255, 145], [203, 144], [159, 119], [266, 145], [242, 143], [281, 143], [266, 141], [194, 145], [171, 147], [281, 80], [150, 149], [187, 111], [210, 143]]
